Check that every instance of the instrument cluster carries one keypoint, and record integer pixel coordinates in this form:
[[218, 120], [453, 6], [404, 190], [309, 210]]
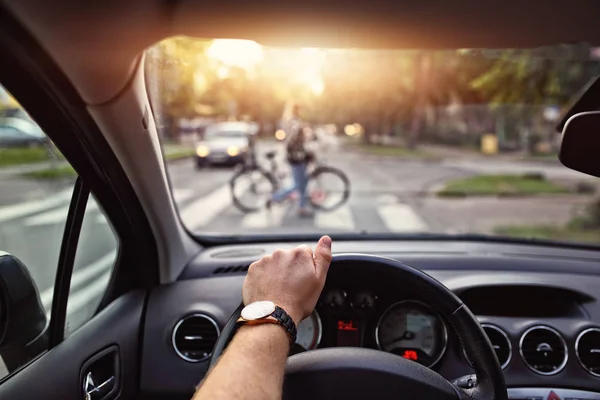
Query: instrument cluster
[[361, 318]]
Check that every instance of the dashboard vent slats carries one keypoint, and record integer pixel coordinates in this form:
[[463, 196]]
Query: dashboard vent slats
[[500, 342], [544, 350], [232, 269], [587, 347], [194, 337]]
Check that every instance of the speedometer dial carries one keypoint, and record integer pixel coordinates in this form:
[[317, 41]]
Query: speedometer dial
[[412, 330], [309, 332]]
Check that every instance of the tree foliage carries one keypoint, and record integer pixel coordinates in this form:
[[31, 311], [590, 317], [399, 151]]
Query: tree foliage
[[381, 90]]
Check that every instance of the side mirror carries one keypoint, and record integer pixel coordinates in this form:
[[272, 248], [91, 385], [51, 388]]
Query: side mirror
[[22, 315], [580, 144]]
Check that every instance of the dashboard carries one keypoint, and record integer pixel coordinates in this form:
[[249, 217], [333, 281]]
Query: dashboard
[[538, 305]]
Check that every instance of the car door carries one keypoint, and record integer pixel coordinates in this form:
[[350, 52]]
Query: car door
[[76, 252]]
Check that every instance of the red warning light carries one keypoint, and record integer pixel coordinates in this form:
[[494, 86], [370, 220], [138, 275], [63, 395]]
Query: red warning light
[[410, 355], [346, 326]]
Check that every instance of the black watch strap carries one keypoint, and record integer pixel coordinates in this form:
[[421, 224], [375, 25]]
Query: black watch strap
[[286, 321]]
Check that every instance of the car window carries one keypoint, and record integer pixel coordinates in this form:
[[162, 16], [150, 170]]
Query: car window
[[37, 185], [96, 255]]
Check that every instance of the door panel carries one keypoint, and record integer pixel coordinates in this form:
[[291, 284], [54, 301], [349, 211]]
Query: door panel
[[60, 373]]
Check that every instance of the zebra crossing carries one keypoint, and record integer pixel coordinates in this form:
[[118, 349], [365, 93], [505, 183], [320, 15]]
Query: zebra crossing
[[216, 212]]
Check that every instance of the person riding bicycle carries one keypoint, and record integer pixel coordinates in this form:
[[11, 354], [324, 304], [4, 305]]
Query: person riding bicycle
[[298, 156]]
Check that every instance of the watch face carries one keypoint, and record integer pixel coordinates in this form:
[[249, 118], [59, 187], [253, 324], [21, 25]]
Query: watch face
[[258, 310]]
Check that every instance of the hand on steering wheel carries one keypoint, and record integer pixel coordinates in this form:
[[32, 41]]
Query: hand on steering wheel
[[366, 373]]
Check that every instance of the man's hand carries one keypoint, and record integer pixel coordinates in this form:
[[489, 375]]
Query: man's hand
[[292, 279]]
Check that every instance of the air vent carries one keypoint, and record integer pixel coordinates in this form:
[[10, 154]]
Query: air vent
[[587, 348], [232, 269], [194, 337], [499, 341], [544, 350]]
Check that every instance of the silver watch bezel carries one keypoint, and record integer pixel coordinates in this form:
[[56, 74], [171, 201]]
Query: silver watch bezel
[[258, 310]]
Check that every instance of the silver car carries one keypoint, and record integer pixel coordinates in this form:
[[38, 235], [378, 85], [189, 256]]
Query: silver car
[[224, 143]]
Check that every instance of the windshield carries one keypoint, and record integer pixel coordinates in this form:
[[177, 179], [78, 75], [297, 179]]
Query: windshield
[[373, 141]]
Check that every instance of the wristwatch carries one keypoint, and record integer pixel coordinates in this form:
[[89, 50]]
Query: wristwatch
[[264, 312]]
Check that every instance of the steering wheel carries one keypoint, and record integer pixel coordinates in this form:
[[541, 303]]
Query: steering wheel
[[346, 372]]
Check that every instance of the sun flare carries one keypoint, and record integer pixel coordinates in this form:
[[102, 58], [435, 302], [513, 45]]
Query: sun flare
[[236, 53]]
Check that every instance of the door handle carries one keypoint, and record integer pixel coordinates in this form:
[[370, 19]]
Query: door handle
[[100, 375], [93, 391]]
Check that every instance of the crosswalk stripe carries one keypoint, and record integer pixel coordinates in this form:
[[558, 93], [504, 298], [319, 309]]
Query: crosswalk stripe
[[16, 211], [181, 195], [265, 218], [55, 216], [401, 217], [202, 211], [81, 276], [341, 218], [52, 217], [83, 297]]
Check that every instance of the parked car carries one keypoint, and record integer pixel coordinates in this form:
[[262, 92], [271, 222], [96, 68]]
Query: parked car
[[224, 143], [18, 132]]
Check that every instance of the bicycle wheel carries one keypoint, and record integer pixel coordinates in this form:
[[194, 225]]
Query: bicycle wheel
[[328, 188], [251, 188]]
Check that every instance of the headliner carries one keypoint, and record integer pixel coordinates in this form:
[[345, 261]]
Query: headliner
[[96, 43]]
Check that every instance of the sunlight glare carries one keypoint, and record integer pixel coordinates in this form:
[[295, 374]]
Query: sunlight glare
[[236, 53]]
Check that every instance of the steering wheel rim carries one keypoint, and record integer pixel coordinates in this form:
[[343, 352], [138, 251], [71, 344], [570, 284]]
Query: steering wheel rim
[[306, 366]]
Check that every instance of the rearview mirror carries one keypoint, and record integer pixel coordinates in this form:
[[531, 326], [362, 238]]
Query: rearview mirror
[[580, 145], [22, 315]]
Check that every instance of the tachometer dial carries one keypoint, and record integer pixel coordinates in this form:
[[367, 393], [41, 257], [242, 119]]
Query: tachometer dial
[[309, 332], [364, 300], [412, 330], [334, 298]]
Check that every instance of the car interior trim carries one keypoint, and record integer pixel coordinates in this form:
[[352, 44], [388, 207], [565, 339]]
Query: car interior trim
[[544, 393]]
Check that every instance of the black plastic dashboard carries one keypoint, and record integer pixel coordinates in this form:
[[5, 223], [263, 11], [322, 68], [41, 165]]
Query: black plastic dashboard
[[539, 298]]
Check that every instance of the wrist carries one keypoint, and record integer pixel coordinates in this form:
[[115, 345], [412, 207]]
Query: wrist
[[267, 312], [294, 315], [267, 331]]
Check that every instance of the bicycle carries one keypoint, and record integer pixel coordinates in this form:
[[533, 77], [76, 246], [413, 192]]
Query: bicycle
[[261, 182]]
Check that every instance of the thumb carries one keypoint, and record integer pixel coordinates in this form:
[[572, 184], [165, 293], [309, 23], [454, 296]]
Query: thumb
[[323, 256]]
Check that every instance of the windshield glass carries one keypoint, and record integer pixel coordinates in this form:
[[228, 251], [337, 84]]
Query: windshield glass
[[372, 141]]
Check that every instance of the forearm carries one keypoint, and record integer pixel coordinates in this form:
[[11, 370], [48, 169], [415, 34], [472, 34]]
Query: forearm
[[252, 367]]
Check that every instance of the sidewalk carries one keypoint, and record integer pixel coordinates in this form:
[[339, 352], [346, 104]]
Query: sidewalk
[[484, 214], [450, 152]]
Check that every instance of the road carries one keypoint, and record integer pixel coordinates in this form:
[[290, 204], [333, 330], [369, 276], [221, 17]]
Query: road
[[387, 195]]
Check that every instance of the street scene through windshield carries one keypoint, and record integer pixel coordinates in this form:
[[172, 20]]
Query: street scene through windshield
[[263, 140]]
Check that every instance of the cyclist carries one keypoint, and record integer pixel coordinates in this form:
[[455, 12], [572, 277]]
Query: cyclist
[[298, 156]]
